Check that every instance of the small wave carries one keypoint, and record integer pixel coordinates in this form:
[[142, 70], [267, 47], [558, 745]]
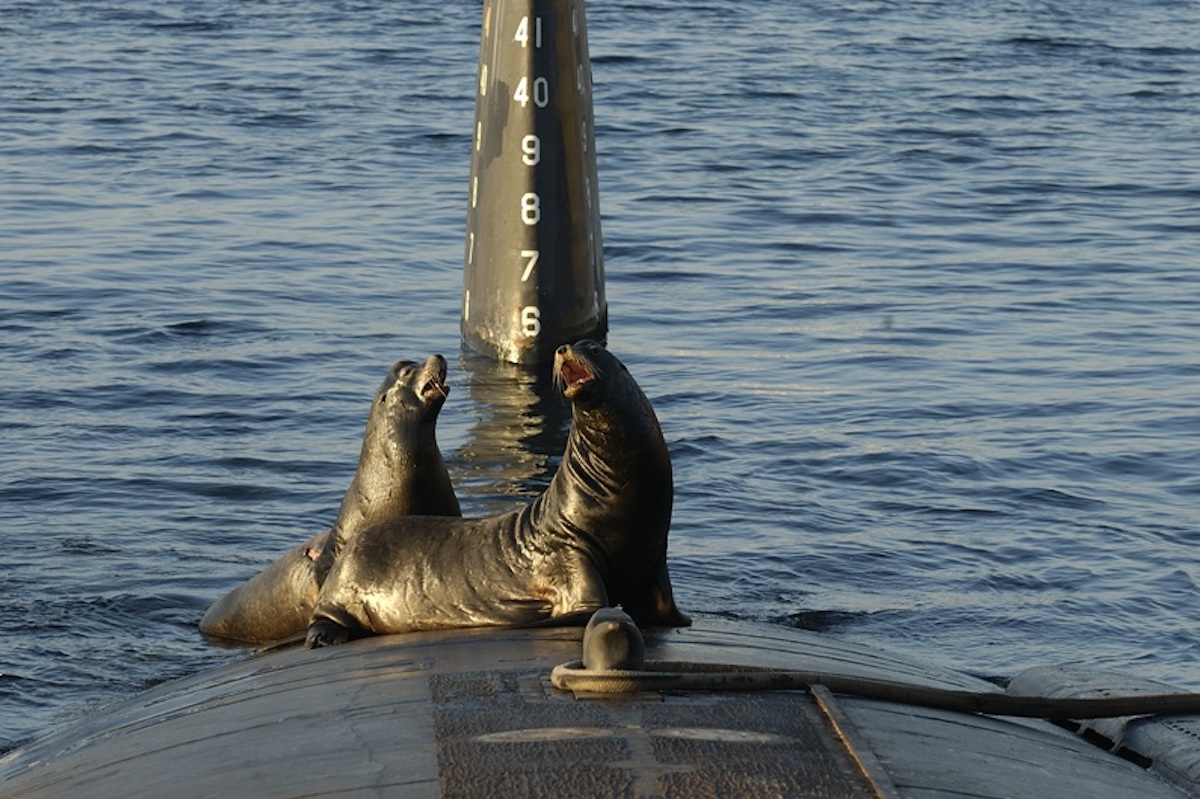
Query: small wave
[[820, 620]]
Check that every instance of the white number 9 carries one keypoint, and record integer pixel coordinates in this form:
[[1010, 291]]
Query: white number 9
[[531, 147]]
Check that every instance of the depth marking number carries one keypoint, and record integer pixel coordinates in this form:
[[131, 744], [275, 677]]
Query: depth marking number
[[531, 150], [523, 32], [531, 323], [541, 92], [531, 208]]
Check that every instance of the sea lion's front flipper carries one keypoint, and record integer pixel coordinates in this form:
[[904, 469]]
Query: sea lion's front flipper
[[577, 591], [661, 608]]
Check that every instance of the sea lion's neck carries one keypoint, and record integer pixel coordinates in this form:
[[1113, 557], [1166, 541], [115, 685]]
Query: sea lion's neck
[[387, 469], [383, 483], [432, 493], [608, 452]]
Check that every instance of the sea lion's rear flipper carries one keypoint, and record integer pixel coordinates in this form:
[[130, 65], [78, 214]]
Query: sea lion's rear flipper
[[272, 605]]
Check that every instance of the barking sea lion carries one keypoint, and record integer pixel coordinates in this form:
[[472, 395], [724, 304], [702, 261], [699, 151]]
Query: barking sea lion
[[596, 537], [400, 472]]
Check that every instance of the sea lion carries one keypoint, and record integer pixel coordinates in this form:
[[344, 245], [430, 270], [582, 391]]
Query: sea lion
[[400, 471], [597, 536]]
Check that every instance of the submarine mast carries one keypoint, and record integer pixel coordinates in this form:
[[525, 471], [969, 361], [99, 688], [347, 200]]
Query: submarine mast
[[534, 261]]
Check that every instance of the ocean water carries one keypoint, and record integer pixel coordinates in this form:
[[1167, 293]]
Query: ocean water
[[914, 288]]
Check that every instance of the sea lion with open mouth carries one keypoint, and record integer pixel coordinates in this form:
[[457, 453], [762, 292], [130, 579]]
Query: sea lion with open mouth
[[400, 472], [596, 537]]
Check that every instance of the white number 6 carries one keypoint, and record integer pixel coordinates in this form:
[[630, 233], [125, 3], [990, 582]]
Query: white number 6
[[531, 324]]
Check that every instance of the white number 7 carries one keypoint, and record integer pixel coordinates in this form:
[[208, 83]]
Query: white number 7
[[532, 255]]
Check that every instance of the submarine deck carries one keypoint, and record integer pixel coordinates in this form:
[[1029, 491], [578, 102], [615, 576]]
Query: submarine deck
[[473, 713]]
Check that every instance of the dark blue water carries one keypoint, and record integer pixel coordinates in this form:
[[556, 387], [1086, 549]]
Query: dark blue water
[[914, 287]]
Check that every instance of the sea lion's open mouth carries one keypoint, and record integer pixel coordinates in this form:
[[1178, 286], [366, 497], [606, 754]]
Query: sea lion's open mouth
[[435, 386], [573, 372], [435, 378]]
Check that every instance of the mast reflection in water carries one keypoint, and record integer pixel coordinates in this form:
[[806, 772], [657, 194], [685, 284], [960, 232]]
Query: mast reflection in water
[[517, 438]]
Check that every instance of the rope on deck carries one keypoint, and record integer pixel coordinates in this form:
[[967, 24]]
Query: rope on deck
[[680, 676]]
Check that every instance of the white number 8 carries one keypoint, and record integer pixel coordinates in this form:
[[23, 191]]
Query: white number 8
[[531, 208]]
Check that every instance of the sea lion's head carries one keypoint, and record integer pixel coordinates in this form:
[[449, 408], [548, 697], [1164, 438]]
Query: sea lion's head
[[416, 390], [580, 370]]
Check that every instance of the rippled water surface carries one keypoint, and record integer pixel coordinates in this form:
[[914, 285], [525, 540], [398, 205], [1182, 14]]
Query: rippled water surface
[[913, 286]]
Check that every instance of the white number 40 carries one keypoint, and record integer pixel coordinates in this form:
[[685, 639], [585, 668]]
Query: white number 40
[[541, 92]]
